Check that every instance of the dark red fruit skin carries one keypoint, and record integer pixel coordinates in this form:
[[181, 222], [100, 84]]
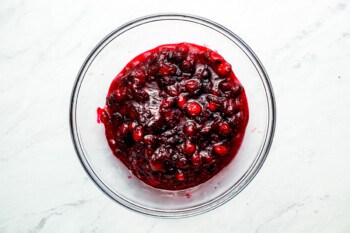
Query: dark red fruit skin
[[147, 121]]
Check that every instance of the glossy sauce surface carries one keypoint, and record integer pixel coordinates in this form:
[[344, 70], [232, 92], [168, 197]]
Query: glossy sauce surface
[[175, 115]]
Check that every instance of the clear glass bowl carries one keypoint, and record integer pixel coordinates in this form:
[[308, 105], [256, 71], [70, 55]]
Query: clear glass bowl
[[90, 89]]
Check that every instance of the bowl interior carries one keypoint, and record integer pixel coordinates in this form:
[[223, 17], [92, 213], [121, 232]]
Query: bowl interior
[[92, 86]]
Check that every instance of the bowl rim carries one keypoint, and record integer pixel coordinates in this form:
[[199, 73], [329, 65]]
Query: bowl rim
[[234, 189]]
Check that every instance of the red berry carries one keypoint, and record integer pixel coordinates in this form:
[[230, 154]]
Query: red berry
[[124, 130], [137, 134], [229, 107], [180, 54], [220, 150], [179, 175], [225, 86], [236, 89], [167, 103], [172, 69], [192, 86], [156, 165], [153, 70], [193, 108], [181, 101], [139, 76], [190, 129], [224, 69], [187, 66], [190, 148], [172, 90], [102, 116], [196, 158], [225, 129], [213, 106], [119, 93], [164, 70], [205, 73]]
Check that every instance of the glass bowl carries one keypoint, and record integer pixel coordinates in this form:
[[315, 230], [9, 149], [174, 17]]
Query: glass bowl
[[108, 58]]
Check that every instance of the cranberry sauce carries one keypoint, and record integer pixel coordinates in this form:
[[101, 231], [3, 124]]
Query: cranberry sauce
[[175, 115]]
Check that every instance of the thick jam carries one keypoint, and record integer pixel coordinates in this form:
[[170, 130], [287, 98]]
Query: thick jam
[[175, 115]]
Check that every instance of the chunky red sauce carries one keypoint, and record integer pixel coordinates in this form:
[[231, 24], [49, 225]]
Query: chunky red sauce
[[175, 115]]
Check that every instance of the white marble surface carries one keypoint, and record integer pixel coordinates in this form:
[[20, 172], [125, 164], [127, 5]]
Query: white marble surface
[[303, 185]]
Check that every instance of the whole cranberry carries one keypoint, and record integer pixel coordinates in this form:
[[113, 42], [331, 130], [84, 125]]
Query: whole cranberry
[[119, 94], [225, 129], [179, 175], [103, 115], [164, 69], [190, 129], [137, 133], [139, 76], [213, 106], [180, 53], [167, 103], [172, 90], [187, 66], [224, 69], [220, 150], [225, 86], [205, 74], [181, 101], [236, 89], [229, 107], [196, 158], [153, 70], [189, 148], [193, 86], [193, 108], [173, 69], [156, 165], [124, 130]]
